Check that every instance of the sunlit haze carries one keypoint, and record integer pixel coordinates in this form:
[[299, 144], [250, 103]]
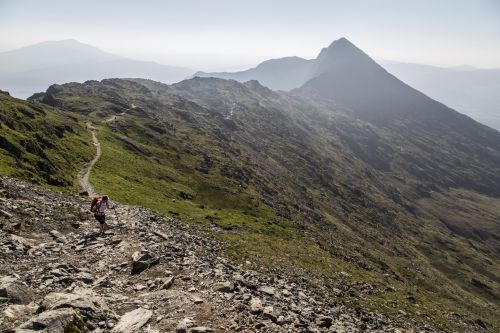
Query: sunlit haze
[[230, 35]]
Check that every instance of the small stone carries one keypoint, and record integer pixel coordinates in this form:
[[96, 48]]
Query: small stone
[[269, 312], [225, 287], [240, 307], [168, 282], [6, 214], [201, 329], [183, 325], [255, 305], [286, 293], [139, 287], [267, 290], [85, 278], [324, 321], [260, 325]]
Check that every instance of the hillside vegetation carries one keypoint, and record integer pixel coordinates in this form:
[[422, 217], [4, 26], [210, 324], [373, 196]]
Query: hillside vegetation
[[400, 216], [41, 143]]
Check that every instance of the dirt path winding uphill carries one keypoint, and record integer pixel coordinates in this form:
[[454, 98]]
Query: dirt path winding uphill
[[84, 174]]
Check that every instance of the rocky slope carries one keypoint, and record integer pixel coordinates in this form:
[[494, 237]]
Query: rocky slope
[[299, 186], [148, 274]]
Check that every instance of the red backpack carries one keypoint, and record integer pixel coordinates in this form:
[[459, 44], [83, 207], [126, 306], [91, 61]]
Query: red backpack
[[94, 204]]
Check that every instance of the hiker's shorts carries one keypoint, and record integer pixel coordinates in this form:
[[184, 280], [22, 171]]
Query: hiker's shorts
[[100, 217]]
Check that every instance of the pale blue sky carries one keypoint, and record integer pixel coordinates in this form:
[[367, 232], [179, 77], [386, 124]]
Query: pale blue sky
[[215, 34]]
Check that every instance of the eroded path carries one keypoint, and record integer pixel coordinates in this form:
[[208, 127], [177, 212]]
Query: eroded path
[[84, 174]]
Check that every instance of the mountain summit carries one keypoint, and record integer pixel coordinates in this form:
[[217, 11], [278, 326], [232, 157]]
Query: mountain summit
[[293, 72], [33, 68], [341, 53], [351, 78]]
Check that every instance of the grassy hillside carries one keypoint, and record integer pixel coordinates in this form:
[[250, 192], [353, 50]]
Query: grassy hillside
[[42, 144], [395, 218]]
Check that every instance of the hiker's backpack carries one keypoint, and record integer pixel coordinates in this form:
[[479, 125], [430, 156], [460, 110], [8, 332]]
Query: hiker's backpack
[[94, 204]]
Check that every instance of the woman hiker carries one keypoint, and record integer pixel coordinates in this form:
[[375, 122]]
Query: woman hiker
[[99, 208]]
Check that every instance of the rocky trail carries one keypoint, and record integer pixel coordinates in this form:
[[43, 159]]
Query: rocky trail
[[84, 174], [149, 274]]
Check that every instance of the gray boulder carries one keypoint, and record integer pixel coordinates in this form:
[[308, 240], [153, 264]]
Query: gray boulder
[[15, 291], [142, 261]]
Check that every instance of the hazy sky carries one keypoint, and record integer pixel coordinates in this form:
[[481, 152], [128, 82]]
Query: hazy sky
[[222, 34]]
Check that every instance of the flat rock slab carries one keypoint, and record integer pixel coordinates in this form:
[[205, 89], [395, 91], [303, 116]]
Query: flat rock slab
[[132, 321], [54, 321], [64, 300]]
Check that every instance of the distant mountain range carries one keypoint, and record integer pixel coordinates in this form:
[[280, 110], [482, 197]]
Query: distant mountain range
[[471, 91], [33, 68]]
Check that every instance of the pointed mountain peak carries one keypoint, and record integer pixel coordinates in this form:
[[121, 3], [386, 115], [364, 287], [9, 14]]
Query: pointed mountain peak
[[341, 42], [342, 54], [340, 46]]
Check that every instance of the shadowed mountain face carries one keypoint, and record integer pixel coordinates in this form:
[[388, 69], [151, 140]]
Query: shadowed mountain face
[[471, 91], [348, 76], [32, 69]]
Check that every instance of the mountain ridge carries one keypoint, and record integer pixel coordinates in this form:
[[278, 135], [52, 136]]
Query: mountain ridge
[[473, 95]]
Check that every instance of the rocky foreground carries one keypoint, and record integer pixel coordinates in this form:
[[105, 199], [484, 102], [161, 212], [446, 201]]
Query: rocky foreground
[[148, 274]]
